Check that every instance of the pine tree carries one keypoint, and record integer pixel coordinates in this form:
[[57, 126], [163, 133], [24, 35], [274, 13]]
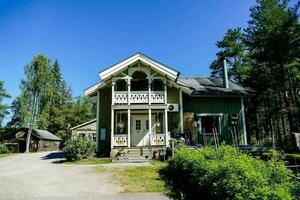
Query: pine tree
[[3, 107], [266, 58], [60, 103], [233, 49]]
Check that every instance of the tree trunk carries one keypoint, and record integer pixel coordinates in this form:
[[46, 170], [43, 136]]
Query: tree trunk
[[31, 124]]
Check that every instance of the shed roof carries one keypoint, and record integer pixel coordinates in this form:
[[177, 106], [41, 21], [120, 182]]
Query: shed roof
[[83, 124], [45, 135], [212, 86]]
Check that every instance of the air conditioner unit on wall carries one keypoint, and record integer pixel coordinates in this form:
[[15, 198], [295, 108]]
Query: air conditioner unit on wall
[[173, 107]]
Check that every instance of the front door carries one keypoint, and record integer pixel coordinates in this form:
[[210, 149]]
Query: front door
[[140, 135]]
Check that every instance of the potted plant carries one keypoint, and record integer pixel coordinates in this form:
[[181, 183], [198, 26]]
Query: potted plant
[[121, 126]]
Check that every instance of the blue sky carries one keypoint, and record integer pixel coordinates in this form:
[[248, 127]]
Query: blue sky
[[88, 36]]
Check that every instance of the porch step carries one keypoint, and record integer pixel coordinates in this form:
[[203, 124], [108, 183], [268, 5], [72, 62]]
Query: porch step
[[134, 155]]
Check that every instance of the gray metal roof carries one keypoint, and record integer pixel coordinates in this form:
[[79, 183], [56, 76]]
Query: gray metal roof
[[45, 135], [213, 86]]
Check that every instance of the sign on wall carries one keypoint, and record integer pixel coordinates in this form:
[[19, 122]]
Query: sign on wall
[[102, 134]]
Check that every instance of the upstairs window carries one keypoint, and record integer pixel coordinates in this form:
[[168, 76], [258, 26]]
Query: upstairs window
[[157, 85], [121, 85], [139, 81]]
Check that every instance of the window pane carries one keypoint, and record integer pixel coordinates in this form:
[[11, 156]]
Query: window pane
[[138, 125], [147, 124], [209, 124]]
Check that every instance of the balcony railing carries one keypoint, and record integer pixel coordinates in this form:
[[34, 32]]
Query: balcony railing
[[136, 97]]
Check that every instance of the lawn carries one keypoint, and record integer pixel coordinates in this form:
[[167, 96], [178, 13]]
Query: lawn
[[137, 178], [90, 161], [5, 155]]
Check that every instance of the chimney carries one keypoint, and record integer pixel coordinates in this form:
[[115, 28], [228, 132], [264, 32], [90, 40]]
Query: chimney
[[225, 75]]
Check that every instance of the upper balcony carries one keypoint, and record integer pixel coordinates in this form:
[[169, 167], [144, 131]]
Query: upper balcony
[[139, 97], [138, 89]]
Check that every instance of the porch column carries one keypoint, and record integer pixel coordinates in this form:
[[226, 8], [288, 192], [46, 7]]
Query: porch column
[[113, 93], [150, 124], [166, 127], [128, 91], [149, 91], [112, 128], [166, 88], [128, 127], [181, 111], [97, 124], [244, 121]]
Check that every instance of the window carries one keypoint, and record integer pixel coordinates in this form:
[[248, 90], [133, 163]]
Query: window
[[157, 85], [82, 135], [139, 81], [147, 124], [138, 125], [94, 137], [210, 123], [121, 85]]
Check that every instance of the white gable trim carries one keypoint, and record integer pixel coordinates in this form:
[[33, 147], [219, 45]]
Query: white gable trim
[[123, 64], [93, 89]]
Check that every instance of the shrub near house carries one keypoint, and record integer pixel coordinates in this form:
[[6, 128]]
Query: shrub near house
[[3, 149], [226, 174], [79, 148]]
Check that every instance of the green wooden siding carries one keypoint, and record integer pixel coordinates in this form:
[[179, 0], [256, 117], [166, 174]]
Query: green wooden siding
[[104, 120], [173, 95], [224, 105]]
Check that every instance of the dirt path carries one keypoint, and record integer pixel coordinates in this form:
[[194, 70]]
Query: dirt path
[[37, 176]]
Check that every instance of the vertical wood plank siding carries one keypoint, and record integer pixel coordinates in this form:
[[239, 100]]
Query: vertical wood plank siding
[[225, 105], [104, 120], [173, 95]]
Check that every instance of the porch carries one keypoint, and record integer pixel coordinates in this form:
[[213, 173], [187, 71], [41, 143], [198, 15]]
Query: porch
[[139, 128]]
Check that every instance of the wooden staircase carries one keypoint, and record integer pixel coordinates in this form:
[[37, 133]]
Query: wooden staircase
[[134, 154]]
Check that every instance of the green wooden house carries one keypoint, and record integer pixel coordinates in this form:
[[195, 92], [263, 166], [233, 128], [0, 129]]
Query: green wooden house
[[143, 103]]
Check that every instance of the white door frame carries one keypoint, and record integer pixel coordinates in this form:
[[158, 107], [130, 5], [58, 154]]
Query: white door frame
[[145, 139]]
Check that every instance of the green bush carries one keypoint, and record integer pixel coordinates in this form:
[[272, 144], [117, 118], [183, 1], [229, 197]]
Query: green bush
[[78, 148], [226, 173], [3, 149]]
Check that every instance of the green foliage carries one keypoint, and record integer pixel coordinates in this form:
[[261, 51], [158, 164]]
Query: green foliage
[[82, 110], [266, 58], [233, 49], [61, 103], [224, 173], [79, 148], [3, 149], [55, 108], [3, 108]]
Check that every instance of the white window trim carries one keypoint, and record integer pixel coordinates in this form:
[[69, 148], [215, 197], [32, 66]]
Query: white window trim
[[209, 114]]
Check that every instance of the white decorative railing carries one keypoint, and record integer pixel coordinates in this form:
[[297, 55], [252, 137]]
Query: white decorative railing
[[121, 97], [157, 96], [158, 139], [138, 97], [120, 140]]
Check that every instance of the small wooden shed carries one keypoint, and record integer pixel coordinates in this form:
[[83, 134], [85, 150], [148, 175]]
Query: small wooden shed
[[41, 140]]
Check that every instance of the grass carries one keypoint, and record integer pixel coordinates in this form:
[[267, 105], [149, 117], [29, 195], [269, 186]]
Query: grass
[[138, 178], [5, 155], [90, 161]]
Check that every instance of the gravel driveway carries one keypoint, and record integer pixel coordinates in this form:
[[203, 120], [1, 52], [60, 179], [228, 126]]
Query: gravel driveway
[[37, 176]]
